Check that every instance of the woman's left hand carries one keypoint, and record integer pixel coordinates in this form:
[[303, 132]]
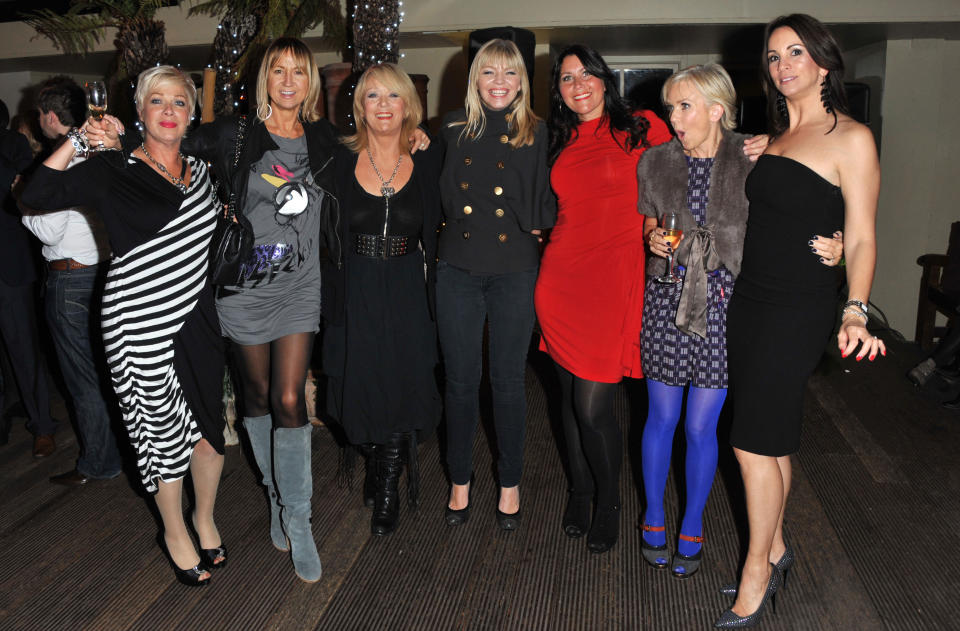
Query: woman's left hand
[[419, 141], [854, 331], [754, 146], [830, 250]]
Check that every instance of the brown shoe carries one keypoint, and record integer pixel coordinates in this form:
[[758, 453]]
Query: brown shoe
[[43, 445], [71, 478]]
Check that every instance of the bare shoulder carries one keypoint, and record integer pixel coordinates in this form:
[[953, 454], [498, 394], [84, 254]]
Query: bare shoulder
[[854, 137]]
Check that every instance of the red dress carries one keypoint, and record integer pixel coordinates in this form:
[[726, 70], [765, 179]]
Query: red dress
[[589, 295]]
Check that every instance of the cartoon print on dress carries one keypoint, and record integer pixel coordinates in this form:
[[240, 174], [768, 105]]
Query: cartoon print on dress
[[292, 198]]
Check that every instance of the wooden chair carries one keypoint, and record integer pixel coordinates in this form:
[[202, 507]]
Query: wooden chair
[[939, 290]]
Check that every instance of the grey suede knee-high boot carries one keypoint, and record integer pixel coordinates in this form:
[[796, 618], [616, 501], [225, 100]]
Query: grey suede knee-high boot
[[259, 430], [291, 465]]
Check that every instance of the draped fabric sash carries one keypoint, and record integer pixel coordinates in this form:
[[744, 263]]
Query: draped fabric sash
[[701, 258]]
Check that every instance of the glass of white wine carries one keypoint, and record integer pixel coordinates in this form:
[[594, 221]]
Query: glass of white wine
[[670, 223]]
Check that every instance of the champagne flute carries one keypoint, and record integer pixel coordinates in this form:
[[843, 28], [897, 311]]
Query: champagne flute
[[96, 98], [670, 222]]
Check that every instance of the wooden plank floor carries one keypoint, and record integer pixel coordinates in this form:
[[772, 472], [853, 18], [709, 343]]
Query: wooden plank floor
[[873, 517]]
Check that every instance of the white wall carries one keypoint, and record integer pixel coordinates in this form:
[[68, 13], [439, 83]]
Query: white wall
[[918, 198]]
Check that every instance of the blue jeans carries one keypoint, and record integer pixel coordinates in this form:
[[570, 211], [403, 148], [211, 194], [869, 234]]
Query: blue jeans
[[464, 302], [70, 295]]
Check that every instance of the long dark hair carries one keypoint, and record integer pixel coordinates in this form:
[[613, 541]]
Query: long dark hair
[[824, 51], [562, 121]]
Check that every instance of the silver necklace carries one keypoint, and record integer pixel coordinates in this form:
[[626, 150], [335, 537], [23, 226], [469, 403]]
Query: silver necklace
[[385, 189], [177, 181]]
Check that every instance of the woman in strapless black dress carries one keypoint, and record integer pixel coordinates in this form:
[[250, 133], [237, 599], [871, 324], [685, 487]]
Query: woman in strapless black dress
[[819, 174]]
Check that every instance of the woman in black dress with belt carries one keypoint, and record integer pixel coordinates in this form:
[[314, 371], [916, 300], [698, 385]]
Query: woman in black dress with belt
[[380, 340], [819, 173]]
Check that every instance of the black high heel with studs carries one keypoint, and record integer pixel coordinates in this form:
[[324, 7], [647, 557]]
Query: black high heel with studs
[[729, 620], [784, 565]]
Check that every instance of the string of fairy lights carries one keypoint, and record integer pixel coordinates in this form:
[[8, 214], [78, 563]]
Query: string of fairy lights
[[376, 39]]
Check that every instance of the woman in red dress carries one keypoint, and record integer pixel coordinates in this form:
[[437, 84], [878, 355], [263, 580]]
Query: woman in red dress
[[589, 295]]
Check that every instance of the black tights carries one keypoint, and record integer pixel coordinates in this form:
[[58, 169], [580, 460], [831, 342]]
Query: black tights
[[594, 442], [274, 375]]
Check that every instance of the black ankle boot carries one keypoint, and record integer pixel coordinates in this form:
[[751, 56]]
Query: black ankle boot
[[605, 529], [369, 451], [386, 506]]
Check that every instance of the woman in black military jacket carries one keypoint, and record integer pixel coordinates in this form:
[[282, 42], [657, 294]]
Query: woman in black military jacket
[[495, 191]]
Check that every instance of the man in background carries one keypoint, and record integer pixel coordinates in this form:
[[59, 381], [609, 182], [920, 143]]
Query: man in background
[[75, 250], [18, 316]]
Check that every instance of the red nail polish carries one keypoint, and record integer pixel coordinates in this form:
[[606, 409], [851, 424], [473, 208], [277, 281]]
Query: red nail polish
[[859, 358]]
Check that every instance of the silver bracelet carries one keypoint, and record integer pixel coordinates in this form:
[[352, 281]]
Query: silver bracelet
[[79, 141], [858, 304], [859, 314]]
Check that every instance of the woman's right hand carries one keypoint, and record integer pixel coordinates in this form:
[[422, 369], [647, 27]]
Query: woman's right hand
[[658, 245], [107, 130]]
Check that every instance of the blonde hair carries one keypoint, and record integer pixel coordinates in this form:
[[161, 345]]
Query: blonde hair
[[305, 61], [150, 78], [713, 82], [523, 122], [395, 80]]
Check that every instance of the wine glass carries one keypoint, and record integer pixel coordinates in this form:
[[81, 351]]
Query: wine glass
[[96, 98], [670, 222]]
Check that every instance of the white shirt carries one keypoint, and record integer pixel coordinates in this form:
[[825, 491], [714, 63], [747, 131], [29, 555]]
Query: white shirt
[[71, 233]]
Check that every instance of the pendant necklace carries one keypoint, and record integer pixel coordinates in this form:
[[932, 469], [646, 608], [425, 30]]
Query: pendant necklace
[[387, 191], [177, 181]]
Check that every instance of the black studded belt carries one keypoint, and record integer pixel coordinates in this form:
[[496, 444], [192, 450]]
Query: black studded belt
[[376, 246]]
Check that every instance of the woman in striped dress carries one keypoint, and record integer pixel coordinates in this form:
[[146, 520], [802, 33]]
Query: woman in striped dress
[[160, 327]]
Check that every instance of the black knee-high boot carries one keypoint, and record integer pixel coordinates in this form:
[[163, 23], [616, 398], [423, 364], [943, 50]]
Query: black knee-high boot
[[369, 451], [386, 508]]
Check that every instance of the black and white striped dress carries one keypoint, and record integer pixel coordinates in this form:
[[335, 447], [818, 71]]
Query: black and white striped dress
[[160, 331]]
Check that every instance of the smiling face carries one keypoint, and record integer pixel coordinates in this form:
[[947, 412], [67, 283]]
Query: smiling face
[[166, 112], [287, 83], [696, 123], [383, 109], [581, 91], [792, 69], [498, 86]]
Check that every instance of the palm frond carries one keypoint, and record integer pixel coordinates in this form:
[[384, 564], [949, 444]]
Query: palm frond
[[73, 34]]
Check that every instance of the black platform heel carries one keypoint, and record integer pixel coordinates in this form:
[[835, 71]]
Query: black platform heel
[[655, 556], [214, 558], [684, 566], [210, 558], [192, 577]]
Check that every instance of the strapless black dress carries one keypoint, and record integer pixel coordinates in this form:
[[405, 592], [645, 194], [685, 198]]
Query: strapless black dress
[[784, 303]]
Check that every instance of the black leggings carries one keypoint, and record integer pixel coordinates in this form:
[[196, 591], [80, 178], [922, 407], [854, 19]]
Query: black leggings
[[274, 375], [594, 441]]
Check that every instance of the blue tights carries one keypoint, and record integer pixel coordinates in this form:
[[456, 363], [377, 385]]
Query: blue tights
[[700, 427]]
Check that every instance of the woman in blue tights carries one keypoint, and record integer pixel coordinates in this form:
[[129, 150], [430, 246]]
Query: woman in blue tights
[[699, 176]]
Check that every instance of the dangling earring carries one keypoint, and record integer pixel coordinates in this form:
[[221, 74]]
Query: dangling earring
[[782, 107], [825, 96], [269, 112]]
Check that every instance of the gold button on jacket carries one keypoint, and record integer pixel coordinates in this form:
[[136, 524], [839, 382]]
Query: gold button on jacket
[[498, 190], [498, 212], [502, 237], [467, 210]]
